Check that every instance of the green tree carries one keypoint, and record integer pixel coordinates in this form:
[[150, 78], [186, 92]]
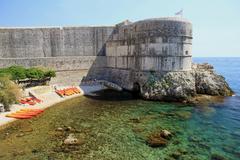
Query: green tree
[[9, 92]]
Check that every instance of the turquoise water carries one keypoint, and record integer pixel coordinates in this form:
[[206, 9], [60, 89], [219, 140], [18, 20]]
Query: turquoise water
[[223, 126], [114, 125]]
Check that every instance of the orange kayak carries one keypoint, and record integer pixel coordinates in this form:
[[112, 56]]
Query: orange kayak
[[30, 100], [32, 110], [60, 93], [68, 91], [23, 101], [30, 113], [31, 103], [37, 100], [76, 90], [24, 114], [19, 116]]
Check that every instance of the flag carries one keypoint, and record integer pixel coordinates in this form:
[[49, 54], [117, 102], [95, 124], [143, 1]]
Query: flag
[[179, 13]]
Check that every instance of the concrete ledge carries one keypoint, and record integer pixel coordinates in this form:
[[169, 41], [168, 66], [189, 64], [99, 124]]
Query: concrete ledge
[[56, 63]]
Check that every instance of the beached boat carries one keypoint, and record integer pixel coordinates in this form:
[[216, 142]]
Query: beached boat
[[25, 113], [19, 116], [39, 110], [68, 91], [30, 100]]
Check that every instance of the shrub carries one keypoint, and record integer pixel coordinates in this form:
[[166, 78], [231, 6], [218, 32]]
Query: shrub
[[50, 73], [14, 72], [20, 73], [34, 73], [9, 92], [17, 72]]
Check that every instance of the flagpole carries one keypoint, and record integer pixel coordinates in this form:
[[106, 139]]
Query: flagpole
[[179, 13]]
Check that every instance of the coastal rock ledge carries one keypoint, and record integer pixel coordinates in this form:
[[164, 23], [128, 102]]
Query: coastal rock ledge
[[184, 86]]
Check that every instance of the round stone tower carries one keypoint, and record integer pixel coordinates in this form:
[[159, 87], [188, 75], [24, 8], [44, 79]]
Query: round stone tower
[[160, 44]]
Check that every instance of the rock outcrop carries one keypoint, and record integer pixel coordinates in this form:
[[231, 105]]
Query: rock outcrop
[[184, 85]]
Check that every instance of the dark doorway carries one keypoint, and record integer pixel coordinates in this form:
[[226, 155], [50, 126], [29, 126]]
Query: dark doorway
[[136, 89]]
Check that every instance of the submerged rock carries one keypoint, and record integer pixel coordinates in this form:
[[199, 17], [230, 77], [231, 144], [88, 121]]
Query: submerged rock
[[176, 155], [184, 114], [217, 157], [69, 128], [207, 111], [35, 151], [138, 129], [156, 141], [71, 140], [20, 135], [135, 120], [159, 139], [59, 129], [166, 134], [184, 86], [194, 139]]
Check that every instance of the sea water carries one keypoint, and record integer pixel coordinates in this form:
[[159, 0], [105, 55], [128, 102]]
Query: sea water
[[113, 125]]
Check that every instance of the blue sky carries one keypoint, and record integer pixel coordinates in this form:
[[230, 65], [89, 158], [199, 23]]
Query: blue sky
[[216, 23]]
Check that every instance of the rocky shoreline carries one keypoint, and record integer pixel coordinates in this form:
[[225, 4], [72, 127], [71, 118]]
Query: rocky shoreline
[[188, 86]]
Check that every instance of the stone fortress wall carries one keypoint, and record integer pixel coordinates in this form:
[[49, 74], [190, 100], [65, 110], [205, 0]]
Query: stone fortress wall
[[123, 54], [67, 48]]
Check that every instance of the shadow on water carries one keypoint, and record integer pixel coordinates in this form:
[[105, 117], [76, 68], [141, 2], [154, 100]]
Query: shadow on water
[[112, 95]]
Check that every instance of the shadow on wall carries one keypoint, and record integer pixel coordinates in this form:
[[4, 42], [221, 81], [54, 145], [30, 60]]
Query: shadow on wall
[[98, 70]]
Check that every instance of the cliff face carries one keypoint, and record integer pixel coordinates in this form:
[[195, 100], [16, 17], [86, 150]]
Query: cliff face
[[184, 86]]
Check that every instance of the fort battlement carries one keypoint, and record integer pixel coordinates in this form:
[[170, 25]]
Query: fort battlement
[[123, 53]]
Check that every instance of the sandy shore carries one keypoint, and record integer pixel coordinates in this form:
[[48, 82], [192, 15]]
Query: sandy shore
[[49, 98]]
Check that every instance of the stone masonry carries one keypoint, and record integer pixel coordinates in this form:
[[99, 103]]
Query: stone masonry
[[124, 54], [134, 50]]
